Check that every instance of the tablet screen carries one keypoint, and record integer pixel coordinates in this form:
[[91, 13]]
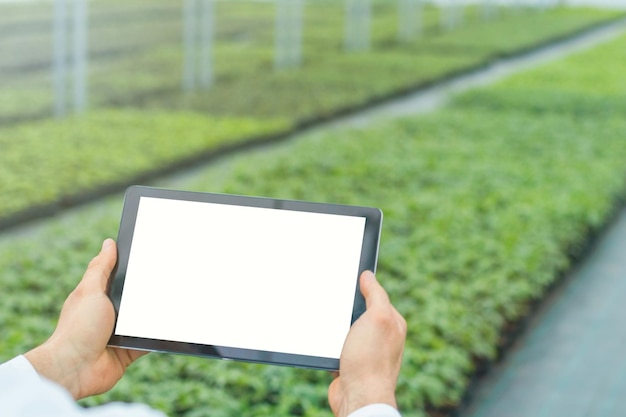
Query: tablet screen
[[255, 278]]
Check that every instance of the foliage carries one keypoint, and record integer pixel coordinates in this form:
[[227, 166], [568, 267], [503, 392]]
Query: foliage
[[577, 86], [483, 205], [82, 155], [107, 147]]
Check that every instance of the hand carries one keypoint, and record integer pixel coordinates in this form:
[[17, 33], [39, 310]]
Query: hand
[[76, 356], [372, 354]]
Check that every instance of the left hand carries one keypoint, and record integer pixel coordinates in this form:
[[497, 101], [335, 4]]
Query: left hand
[[76, 356], [372, 354]]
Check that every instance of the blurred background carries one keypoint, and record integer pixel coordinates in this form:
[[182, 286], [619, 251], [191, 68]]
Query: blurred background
[[489, 200]]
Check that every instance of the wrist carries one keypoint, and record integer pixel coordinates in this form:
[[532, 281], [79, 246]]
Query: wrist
[[359, 398], [56, 365]]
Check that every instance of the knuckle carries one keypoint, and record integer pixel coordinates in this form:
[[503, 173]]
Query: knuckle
[[383, 317], [94, 263], [77, 293], [402, 325]]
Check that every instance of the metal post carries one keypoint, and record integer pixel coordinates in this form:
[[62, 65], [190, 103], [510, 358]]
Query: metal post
[[288, 38], [489, 9], [206, 43], [189, 40], [349, 25], [409, 19], [281, 52], [59, 58], [543, 5], [358, 22], [448, 15], [459, 13], [80, 55], [297, 27]]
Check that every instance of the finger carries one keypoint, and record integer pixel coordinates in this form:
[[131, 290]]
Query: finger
[[334, 395], [372, 291], [100, 267], [128, 356], [136, 354]]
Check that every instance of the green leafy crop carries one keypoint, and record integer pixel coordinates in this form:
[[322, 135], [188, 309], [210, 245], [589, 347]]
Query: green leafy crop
[[484, 203], [48, 161], [482, 210], [135, 63]]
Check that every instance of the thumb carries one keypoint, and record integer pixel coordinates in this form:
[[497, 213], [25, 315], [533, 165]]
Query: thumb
[[372, 291], [335, 395], [100, 267]]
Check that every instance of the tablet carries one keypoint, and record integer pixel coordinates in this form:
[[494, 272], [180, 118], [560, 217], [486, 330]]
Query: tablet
[[243, 278]]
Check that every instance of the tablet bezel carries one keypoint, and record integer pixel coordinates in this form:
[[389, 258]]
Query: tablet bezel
[[368, 261]]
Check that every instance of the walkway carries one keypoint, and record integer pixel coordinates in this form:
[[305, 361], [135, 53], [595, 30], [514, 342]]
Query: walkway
[[571, 362], [429, 99]]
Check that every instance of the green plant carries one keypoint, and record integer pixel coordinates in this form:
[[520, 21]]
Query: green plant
[[107, 147], [484, 204], [75, 153]]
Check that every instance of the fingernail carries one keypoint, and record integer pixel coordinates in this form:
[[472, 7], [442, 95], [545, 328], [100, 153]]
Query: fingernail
[[106, 244], [369, 275]]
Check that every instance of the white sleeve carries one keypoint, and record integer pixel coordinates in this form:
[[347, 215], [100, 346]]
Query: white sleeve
[[23, 393], [376, 410]]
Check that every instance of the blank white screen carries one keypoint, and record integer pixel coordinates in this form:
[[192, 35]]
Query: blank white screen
[[245, 277]]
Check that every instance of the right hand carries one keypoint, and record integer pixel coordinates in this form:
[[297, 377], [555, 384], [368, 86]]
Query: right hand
[[76, 356], [372, 354]]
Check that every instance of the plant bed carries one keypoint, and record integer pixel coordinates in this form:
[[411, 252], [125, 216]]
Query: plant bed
[[483, 207], [324, 93], [81, 158]]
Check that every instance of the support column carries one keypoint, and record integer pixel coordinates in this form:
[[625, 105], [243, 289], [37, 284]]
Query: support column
[[358, 25]]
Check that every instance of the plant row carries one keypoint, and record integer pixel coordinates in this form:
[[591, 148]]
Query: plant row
[[70, 159], [46, 162], [484, 203]]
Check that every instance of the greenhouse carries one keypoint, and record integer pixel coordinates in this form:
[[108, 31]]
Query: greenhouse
[[490, 133]]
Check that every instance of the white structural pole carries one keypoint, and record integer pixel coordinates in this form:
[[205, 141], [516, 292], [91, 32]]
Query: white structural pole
[[409, 19], [288, 38], [543, 4], [59, 61], [190, 10], [449, 15], [459, 13], [297, 28], [207, 30], [358, 24], [489, 9], [198, 39], [80, 55], [281, 47]]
